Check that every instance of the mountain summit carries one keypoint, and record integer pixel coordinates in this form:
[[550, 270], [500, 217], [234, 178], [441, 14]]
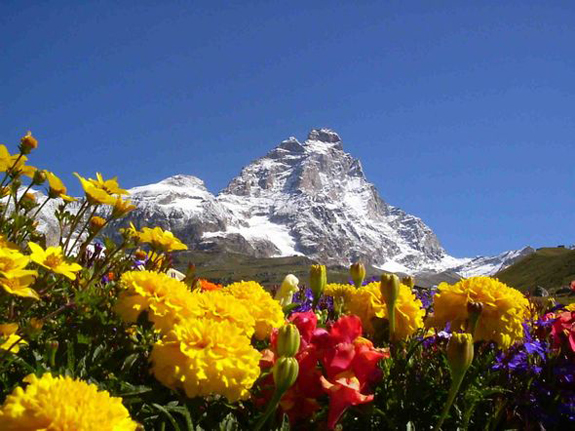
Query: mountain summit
[[303, 198]]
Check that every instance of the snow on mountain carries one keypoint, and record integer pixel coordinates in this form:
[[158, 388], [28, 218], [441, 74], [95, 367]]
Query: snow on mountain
[[489, 265], [303, 198]]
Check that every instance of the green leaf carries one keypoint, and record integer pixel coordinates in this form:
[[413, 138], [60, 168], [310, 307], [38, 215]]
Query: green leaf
[[168, 415]]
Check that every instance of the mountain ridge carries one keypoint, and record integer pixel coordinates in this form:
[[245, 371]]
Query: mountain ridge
[[306, 198]]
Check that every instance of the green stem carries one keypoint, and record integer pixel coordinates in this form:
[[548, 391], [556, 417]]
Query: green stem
[[272, 406], [391, 314], [40, 207], [455, 384], [75, 221], [10, 168], [82, 232]]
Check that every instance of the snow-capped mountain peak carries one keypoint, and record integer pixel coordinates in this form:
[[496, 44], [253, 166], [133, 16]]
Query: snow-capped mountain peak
[[302, 198]]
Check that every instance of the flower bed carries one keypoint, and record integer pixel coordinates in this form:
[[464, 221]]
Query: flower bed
[[97, 331]]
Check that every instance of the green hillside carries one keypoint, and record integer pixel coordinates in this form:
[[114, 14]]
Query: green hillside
[[551, 268], [227, 267]]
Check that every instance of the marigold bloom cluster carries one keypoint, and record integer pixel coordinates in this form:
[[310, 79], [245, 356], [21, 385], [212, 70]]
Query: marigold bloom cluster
[[504, 309], [205, 357], [219, 306], [266, 311], [367, 302], [342, 292], [166, 299], [61, 403]]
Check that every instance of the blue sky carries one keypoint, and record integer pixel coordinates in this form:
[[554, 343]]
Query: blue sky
[[462, 113]]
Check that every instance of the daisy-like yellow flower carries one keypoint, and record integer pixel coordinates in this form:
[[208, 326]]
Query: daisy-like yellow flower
[[62, 403], [19, 286], [53, 260], [161, 239], [166, 299], [12, 263], [4, 243], [266, 311], [504, 309], [15, 163], [8, 339], [206, 357], [56, 188], [110, 186], [95, 195], [122, 207], [368, 302]]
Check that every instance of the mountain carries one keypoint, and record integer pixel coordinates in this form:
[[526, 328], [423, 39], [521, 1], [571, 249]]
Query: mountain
[[550, 268], [309, 199]]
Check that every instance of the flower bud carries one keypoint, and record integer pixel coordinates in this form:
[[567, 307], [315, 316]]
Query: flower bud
[[39, 177], [357, 272], [389, 287], [288, 340], [52, 349], [474, 310], [317, 281], [28, 143], [408, 281], [29, 197], [285, 293], [285, 373], [459, 353], [140, 254], [96, 224]]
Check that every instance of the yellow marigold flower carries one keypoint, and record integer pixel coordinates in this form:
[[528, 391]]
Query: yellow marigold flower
[[56, 188], [19, 286], [504, 309], [8, 339], [342, 292], [166, 299], [368, 303], [53, 260], [161, 239], [219, 306], [62, 403], [95, 195], [206, 357], [266, 311]]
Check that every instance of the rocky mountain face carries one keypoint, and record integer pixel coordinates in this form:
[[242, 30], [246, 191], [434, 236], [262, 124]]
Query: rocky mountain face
[[303, 198]]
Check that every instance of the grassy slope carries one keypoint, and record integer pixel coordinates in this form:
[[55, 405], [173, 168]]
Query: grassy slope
[[550, 268], [228, 267]]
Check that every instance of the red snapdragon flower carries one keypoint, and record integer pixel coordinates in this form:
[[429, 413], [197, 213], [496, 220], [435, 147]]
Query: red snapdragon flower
[[563, 329]]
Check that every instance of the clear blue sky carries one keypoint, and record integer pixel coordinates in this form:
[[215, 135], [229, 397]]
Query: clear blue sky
[[462, 113]]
